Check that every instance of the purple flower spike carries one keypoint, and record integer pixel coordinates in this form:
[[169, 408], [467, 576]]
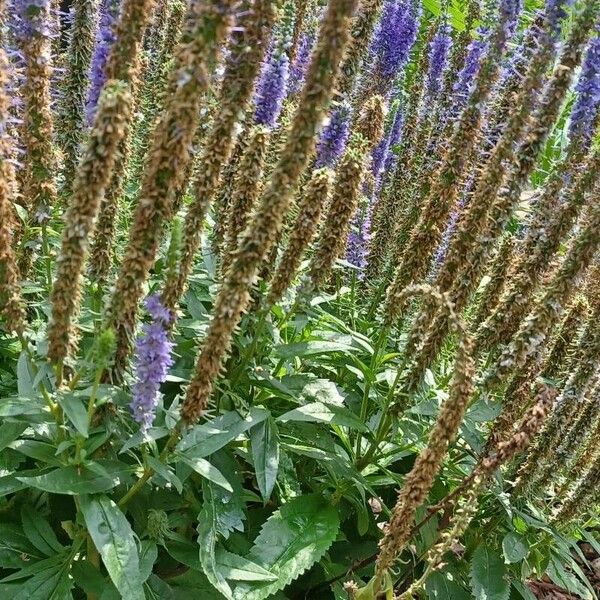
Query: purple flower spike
[[440, 46], [301, 62], [333, 138], [555, 13], [105, 38], [33, 18], [358, 241], [585, 108], [466, 76], [395, 36], [271, 89], [152, 362], [395, 137]]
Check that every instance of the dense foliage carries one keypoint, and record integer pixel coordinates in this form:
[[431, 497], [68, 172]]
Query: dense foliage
[[299, 299]]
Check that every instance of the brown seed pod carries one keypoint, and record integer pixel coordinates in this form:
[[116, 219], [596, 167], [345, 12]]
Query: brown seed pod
[[71, 116], [498, 272], [38, 186], [246, 53], [12, 307], [363, 25], [333, 236], [207, 26], [92, 177], [467, 257], [246, 189], [426, 233], [315, 198], [256, 243], [553, 221], [421, 477]]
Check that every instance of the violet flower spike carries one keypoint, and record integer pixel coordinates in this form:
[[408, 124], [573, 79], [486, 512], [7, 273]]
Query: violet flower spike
[[395, 36], [152, 363], [300, 65], [466, 77], [585, 107], [271, 89], [440, 48], [358, 241], [32, 18], [333, 139], [105, 38]]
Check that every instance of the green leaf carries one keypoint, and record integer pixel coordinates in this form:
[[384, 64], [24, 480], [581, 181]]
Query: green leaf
[[524, 591], [52, 583], [293, 538], [89, 578], [16, 551], [75, 411], [565, 579], [239, 568], [166, 473], [74, 480], [148, 556], [25, 377], [488, 575], [114, 540], [264, 439], [207, 470], [39, 532], [9, 432], [514, 547], [311, 348], [440, 586], [18, 406], [208, 531], [207, 438], [322, 390], [317, 412], [39, 450]]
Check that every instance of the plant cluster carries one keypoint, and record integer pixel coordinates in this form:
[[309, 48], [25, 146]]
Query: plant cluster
[[299, 299]]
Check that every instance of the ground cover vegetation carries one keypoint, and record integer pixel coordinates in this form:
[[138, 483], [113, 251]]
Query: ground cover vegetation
[[299, 299]]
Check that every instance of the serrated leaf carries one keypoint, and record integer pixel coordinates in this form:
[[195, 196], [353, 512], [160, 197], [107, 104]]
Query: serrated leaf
[[514, 547], [488, 574], [204, 440], [207, 470], [440, 586], [73, 480], [114, 539], [264, 439], [317, 412], [293, 539], [39, 532], [239, 568]]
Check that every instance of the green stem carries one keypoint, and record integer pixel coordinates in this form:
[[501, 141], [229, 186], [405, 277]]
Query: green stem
[[149, 471], [364, 406], [47, 257]]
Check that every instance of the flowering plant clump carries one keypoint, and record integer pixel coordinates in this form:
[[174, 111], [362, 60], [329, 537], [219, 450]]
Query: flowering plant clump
[[299, 299]]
